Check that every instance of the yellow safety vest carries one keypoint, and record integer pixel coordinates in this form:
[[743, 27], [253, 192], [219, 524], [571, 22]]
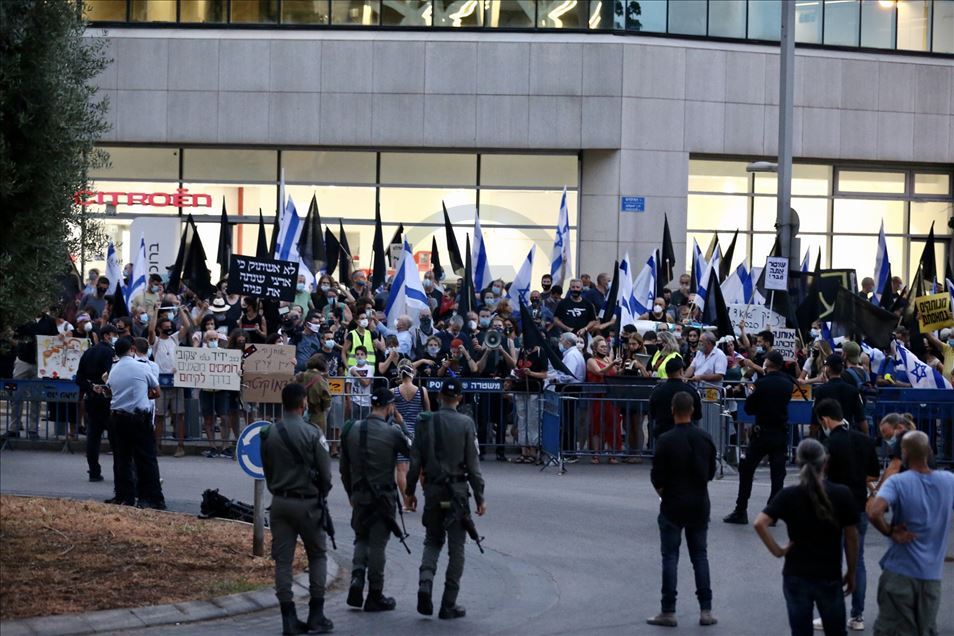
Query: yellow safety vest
[[356, 342]]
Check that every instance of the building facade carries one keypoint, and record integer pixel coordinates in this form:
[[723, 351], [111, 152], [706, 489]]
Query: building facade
[[498, 106]]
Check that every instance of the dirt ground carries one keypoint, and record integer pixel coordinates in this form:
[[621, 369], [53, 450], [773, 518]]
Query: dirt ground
[[59, 557]]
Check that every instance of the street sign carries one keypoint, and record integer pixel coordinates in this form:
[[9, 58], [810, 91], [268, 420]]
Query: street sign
[[248, 452], [632, 204]]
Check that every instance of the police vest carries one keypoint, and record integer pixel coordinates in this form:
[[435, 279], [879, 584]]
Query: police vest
[[357, 341]]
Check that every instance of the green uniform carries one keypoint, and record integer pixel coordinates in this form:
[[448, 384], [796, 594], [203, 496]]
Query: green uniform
[[448, 458], [369, 450], [297, 491], [319, 397]]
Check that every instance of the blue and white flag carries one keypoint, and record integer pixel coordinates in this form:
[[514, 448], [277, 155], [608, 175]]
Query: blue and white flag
[[114, 271], [920, 375], [625, 298], [805, 261], [712, 269], [882, 267], [560, 257], [644, 288], [407, 293], [738, 287], [140, 274], [950, 291], [520, 287], [482, 276], [289, 230], [698, 263]]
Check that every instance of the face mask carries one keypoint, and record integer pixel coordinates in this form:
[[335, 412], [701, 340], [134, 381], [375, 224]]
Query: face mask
[[88, 327], [562, 347], [427, 283], [300, 287], [168, 331], [360, 283], [329, 343], [489, 300], [651, 349], [433, 350], [950, 342], [575, 293], [657, 309], [484, 322], [170, 315], [325, 288], [471, 324], [546, 288], [497, 289], [332, 300], [213, 345], [363, 323], [144, 318], [100, 291], [760, 350], [153, 289], [815, 333], [535, 302], [361, 362], [586, 288]]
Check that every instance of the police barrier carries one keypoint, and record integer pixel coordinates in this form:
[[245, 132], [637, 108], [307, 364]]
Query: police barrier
[[490, 402]]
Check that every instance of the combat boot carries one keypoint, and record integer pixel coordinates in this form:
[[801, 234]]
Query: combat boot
[[290, 622], [356, 591], [425, 605], [317, 622], [452, 611], [378, 602]]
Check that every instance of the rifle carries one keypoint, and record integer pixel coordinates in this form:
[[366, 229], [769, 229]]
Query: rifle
[[327, 522], [384, 511], [459, 512]]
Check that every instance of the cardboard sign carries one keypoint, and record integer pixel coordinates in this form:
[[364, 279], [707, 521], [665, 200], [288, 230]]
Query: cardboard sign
[[802, 393], [204, 368], [336, 386], [262, 278], [265, 372], [757, 318], [934, 312], [786, 343], [776, 273], [58, 358]]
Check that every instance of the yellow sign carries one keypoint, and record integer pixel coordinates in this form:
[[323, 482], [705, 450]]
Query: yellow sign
[[934, 312], [336, 386], [802, 392]]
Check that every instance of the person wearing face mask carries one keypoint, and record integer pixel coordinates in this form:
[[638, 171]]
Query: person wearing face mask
[[164, 339], [314, 379], [361, 377], [574, 411], [93, 366], [309, 344], [95, 303], [574, 314], [681, 295], [388, 364], [596, 295], [360, 289], [689, 348], [150, 296], [432, 287], [659, 312], [252, 321], [360, 336], [335, 310], [430, 360], [213, 403]]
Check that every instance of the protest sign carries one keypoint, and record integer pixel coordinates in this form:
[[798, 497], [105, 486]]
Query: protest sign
[[786, 343], [204, 368], [265, 372], [776, 273], [934, 312], [58, 358], [262, 278], [757, 318]]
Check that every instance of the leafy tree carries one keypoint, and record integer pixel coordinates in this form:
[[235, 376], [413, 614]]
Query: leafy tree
[[50, 118]]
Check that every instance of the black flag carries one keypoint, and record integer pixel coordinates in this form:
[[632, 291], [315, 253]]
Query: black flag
[[225, 242], [276, 227], [818, 261], [713, 244], [885, 300], [467, 301], [311, 242], [195, 272], [715, 311], [456, 262], [261, 247], [175, 271], [532, 337], [436, 260], [345, 260], [397, 239], [667, 259], [609, 309], [117, 303], [927, 269], [379, 268], [725, 265], [864, 319], [332, 251]]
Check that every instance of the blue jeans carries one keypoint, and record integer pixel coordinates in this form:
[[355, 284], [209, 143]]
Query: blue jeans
[[861, 576], [801, 594], [670, 537]]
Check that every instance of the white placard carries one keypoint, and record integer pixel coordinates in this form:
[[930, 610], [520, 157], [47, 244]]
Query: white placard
[[786, 343], [205, 368], [162, 241], [58, 358], [757, 318], [776, 273]]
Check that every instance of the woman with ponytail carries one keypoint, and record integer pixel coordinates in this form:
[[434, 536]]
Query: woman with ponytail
[[820, 518]]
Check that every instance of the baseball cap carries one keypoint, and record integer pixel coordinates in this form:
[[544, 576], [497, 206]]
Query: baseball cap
[[852, 351], [382, 397], [775, 358], [452, 387]]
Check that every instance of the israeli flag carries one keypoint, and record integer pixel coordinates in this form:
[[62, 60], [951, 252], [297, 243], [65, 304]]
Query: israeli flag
[[805, 261], [737, 288], [950, 290], [140, 273], [920, 375], [698, 261], [560, 257], [644, 288], [289, 230], [114, 271], [882, 267], [520, 287], [712, 269], [625, 299], [407, 293], [482, 276]]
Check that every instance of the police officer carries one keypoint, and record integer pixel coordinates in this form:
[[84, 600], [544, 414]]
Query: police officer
[[131, 429], [445, 449], [369, 450], [298, 474], [93, 365]]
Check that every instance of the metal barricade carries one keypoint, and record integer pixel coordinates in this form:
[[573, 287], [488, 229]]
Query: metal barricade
[[40, 409], [932, 411]]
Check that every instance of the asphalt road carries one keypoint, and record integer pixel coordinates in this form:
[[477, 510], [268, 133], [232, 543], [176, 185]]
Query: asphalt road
[[570, 554]]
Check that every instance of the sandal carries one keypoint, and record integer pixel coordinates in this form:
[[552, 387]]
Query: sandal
[[595, 460], [613, 460]]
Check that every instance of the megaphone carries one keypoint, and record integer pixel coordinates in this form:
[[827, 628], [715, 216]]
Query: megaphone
[[493, 339]]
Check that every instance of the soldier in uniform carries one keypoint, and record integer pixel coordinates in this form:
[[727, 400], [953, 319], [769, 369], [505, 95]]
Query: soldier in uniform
[[445, 449], [369, 450], [298, 474]]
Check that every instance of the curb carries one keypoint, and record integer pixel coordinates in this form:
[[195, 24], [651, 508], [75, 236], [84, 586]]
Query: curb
[[158, 615]]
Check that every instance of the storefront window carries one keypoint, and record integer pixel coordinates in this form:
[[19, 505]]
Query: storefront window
[[139, 163], [601, 14], [914, 25], [877, 24], [326, 166], [205, 164], [812, 214], [865, 216], [104, 10], [529, 170], [943, 30], [859, 253], [509, 14], [687, 17], [363, 12], [932, 183], [422, 169], [712, 210], [152, 11], [808, 21], [203, 11], [334, 202], [305, 12], [717, 176], [725, 238], [727, 19], [880, 182], [254, 11], [765, 20], [924, 214], [841, 22], [807, 180], [414, 13]]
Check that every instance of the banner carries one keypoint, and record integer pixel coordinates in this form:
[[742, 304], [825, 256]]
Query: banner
[[262, 278], [204, 368], [757, 318], [776, 274], [934, 312], [58, 358], [265, 372], [162, 241], [786, 343]]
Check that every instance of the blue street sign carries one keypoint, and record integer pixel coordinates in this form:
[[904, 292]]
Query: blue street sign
[[248, 452], [632, 204]]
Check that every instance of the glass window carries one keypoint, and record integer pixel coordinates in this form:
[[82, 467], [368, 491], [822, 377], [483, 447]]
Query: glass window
[[932, 183], [727, 19], [204, 164], [812, 214], [115, 193], [808, 21], [152, 11], [422, 206], [528, 170], [406, 13], [914, 259], [718, 176], [509, 14], [560, 14], [841, 22], [642, 15], [943, 26], [254, 11], [923, 214], [765, 22], [244, 198], [305, 12], [881, 182], [704, 239], [104, 10], [761, 245], [688, 17], [203, 11], [454, 13], [807, 180], [363, 12], [601, 14], [857, 216], [139, 163], [914, 25], [812, 243], [859, 253], [428, 168], [329, 166], [523, 207], [877, 24], [707, 211], [334, 202]]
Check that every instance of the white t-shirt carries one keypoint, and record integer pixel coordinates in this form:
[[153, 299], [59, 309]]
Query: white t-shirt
[[360, 394], [715, 362], [164, 353]]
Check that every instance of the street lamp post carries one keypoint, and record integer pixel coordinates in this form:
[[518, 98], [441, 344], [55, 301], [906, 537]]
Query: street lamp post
[[786, 90]]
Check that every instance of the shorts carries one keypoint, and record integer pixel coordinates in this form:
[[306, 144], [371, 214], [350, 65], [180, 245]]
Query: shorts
[[219, 403], [170, 401]]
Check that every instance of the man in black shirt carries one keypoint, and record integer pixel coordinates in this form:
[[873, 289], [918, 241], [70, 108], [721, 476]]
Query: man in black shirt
[[93, 365], [660, 400], [847, 396], [573, 313], [683, 465], [852, 462], [768, 403]]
